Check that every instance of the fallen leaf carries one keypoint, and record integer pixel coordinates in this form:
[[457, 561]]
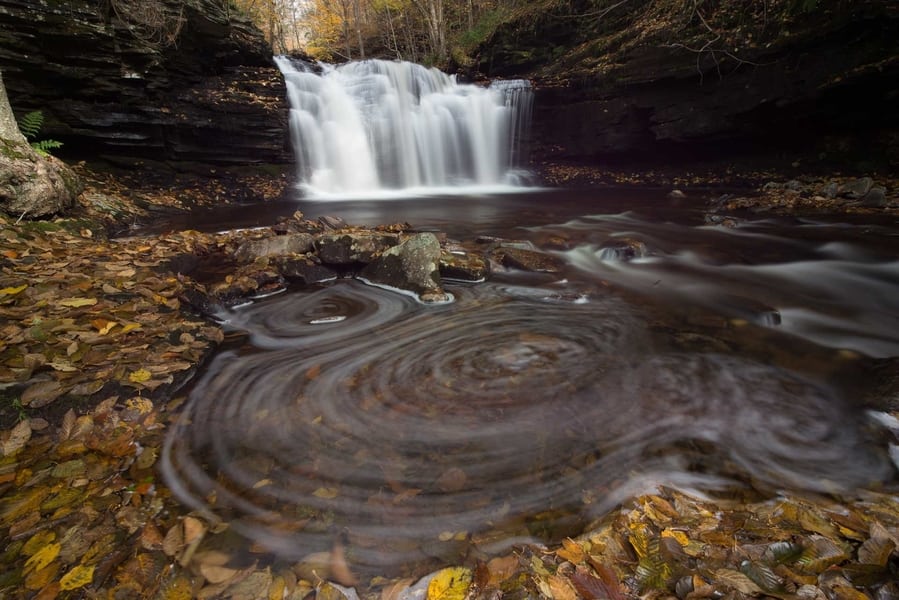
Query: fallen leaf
[[41, 393], [77, 303], [12, 291], [103, 326], [18, 437], [561, 588], [140, 376], [78, 577], [326, 493], [450, 584], [42, 557]]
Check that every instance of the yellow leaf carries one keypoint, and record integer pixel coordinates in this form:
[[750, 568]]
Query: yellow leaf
[[12, 291], [104, 326], [42, 557], [140, 376], [325, 493], [679, 536], [130, 327], [450, 584], [78, 577], [77, 302]]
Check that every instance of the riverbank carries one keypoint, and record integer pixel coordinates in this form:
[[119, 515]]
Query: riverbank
[[98, 346]]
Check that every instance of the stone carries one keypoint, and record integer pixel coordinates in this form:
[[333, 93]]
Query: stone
[[622, 250], [303, 270], [348, 248], [463, 265], [34, 186], [528, 260], [410, 266], [876, 197], [291, 243], [856, 189], [676, 195], [831, 190]]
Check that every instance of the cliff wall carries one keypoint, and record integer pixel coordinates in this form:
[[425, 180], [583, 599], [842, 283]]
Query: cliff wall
[[154, 79]]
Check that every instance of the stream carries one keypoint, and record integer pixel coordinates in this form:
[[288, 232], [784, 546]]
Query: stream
[[724, 361]]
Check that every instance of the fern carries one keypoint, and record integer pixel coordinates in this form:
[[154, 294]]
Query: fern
[[43, 147], [31, 124]]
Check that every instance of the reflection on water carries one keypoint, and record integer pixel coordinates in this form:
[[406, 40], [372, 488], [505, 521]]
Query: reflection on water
[[531, 405]]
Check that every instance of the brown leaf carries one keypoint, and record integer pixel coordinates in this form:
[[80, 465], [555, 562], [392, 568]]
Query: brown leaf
[[561, 588], [68, 422], [16, 439], [41, 394], [593, 588]]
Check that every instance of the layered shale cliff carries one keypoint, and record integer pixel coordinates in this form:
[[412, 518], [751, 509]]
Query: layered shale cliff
[[664, 80], [153, 79]]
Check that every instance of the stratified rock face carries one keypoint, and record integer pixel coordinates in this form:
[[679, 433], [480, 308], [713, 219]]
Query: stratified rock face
[[664, 90], [200, 88]]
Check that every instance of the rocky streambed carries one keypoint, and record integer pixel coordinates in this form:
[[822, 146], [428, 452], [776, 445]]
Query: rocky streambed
[[100, 337]]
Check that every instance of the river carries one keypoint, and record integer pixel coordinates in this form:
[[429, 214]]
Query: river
[[665, 352]]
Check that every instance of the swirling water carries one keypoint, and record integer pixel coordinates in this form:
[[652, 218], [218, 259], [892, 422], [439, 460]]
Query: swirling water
[[712, 359]]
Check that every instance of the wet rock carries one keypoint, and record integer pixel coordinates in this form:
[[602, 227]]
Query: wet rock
[[411, 266], [246, 285], [332, 223], [793, 185], [676, 195], [622, 250], [876, 197], [772, 186], [303, 270], [292, 243], [463, 265], [295, 224], [856, 189], [831, 190], [354, 247], [528, 260]]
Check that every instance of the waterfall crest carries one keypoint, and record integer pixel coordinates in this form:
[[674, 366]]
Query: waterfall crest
[[377, 125]]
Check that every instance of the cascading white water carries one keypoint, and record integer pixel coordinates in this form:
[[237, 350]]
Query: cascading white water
[[367, 126]]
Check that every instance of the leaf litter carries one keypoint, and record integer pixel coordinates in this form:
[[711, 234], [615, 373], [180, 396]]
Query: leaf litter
[[95, 343]]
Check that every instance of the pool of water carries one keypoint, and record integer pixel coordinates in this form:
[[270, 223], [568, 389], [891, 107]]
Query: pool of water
[[665, 353]]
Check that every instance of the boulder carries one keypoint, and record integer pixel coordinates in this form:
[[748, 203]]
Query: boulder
[[34, 186], [354, 247], [291, 243], [463, 265], [411, 266]]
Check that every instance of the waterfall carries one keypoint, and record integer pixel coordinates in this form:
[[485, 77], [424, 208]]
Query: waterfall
[[377, 125]]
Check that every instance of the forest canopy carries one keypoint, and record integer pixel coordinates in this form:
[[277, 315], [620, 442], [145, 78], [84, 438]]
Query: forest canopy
[[444, 32]]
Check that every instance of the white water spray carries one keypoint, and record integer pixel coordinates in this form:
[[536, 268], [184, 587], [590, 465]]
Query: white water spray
[[365, 127]]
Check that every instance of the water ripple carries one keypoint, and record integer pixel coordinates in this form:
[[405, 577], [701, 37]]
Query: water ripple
[[420, 432]]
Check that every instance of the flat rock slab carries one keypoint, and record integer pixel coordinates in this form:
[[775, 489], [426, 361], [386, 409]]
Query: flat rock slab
[[528, 260]]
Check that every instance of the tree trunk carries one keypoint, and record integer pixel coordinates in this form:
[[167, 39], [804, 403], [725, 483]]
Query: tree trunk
[[9, 129]]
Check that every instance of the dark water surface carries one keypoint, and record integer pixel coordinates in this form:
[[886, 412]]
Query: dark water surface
[[667, 352]]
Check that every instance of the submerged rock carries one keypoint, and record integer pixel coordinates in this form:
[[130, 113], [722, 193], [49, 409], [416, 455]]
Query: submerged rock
[[411, 266], [623, 250]]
